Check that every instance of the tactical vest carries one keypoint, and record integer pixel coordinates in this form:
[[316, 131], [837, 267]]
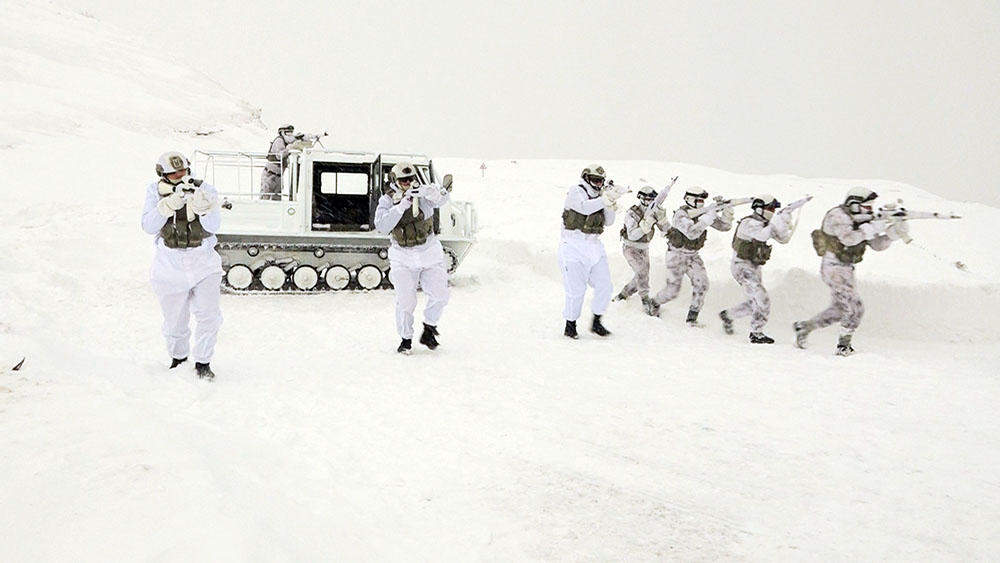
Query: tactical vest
[[824, 242], [412, 231], [592, 224], [757, 252], [639, 212], [678, 239], [178, 232]]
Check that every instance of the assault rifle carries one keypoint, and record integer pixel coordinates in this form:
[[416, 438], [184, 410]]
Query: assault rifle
[[796, 204], [893, 214], [719, 203], [446, 183], [662, 196], [306, 140]]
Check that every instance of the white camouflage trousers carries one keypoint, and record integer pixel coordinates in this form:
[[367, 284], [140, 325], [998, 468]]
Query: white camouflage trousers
[[583, 263], [679, 264], [270, 186], [758, 303], [433, 280], [638, 260], [846, 306]]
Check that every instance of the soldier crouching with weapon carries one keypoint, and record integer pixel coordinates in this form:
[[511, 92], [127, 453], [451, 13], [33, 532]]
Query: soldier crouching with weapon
[[406, 213], [684, 239], [637, 232], [751, 251], [847, 230]]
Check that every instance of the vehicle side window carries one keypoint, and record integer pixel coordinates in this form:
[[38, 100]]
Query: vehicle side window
[[343, 183]]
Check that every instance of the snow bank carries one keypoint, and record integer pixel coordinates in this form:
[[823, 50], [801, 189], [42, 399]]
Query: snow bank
[[509, 442]]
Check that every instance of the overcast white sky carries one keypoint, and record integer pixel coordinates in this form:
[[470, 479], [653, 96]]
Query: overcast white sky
[[902, 90]]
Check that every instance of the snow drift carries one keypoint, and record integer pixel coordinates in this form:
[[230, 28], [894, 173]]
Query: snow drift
[[509, 442]]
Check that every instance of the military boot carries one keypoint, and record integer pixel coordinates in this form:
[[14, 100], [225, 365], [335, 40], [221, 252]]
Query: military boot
[[597, 328], [760, 338], [405, 346], [844, 345], [571, 330], [692, 319], [727, 323], [174, 362], [620, 297], [427, 338], [802, 330], [652, 308], [204, 371]]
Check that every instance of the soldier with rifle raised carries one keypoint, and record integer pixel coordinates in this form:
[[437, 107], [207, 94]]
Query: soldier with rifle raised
[[637, 232], [750, 253], [684, 239], [846, 232]]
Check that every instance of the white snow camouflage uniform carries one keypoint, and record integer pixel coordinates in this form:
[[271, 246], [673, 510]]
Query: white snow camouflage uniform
[[420, 265], [846, 306], [270, 179], [748, 274], [683, 261], [582, 259], [635, 248], [186, 280]]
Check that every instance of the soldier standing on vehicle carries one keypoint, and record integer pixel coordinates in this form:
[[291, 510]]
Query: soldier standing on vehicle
[[406, 212], [587, 210], [684, 239], [277, 157], [636, 234], [184, 214], [751, 251], [847, 230]]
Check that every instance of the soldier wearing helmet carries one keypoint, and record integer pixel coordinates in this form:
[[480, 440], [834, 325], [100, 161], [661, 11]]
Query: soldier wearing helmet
[[183, 214], [588, 208], [750, 253], [684, 240], [636, 234], [406, 213], [277, 158], [847, 230]]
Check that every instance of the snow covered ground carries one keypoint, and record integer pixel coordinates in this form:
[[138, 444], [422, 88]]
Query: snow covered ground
[[509, 442]]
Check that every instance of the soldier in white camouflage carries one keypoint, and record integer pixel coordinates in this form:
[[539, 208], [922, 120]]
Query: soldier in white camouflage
[[684, 239], [640, 224], [750, 252], [847, 230], [277, 156], [588, 208]]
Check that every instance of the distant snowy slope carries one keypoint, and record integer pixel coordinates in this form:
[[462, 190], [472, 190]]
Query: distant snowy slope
[[62, 72]]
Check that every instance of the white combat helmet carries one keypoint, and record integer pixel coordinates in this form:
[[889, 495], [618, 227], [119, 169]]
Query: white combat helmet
[[765, 205], [646, 194], [695, 196], [170, 162], [402, 170], [857, 197], [592, 174]]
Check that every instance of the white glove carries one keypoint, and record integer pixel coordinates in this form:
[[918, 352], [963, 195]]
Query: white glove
[[202, 202], [169, 205], [779, 221], [433, 193], [659, 214], [710, 215], [412, 193], [872, 229], [609, 198], [898, 230], [647, 223], [728, 214]]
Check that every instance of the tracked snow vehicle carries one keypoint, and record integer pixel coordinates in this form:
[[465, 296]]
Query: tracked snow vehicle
[[320, 235]]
